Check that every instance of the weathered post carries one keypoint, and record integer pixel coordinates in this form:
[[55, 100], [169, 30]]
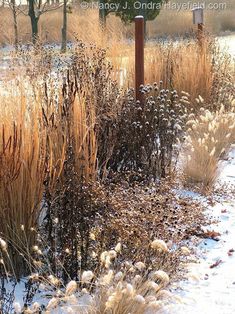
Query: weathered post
[[198, 18], [139, 54]]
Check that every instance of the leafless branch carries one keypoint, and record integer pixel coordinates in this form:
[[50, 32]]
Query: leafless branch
[[48, 9]]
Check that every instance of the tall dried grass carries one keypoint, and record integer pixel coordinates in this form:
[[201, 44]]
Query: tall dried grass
[[170, 23], [22, 174], [209, 137], [36, 141], [184, 66], [83, 24], [85, 142]]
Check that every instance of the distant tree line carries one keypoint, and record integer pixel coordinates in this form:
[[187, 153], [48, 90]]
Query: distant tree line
[[35, 8]]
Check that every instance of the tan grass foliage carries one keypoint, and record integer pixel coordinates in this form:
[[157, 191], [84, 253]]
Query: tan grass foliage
[[209, 138], [22, 164], [84, 135], [34, 140], [183, 66]]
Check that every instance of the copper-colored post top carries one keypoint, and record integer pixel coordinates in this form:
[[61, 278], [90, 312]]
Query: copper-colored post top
[[139, 54]]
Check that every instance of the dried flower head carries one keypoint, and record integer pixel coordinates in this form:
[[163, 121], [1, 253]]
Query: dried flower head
[[118, 247], [154, 285], [87, 276], [17, 307], [3, 244], [129, 289], [155, 305], [185, 250], [162, 276], [159, 245], [106, 279], [139, 299], [53, 280], [52, 304], [140, 266], [164, 294], [118, 276], [112, 254], [103, 257], [71, 288]]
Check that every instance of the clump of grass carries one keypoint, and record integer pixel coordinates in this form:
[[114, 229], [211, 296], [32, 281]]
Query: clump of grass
[[144, 258], [185, 66], [117, 285], [23, 169], [209, 138]]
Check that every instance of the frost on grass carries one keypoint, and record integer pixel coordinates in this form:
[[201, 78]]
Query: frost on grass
[[125, 286]]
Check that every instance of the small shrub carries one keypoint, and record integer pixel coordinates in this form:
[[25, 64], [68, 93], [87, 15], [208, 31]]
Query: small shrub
[[148, 132]]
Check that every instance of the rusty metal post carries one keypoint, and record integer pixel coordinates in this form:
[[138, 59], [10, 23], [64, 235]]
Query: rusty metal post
[[139, 54]]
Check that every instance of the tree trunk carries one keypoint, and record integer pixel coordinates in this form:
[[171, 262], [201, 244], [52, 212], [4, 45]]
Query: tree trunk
[[64, 28], [102, 14], [34, 24], [34, 21], [15, 24]]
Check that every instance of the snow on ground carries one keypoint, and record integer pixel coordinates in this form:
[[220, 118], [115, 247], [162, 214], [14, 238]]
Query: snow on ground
[[228, 43], [211, 288]]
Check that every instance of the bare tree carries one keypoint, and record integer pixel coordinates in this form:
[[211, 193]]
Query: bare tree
[[64, 27], [16, 9], [36, 9], [67, 8], [13, 7]]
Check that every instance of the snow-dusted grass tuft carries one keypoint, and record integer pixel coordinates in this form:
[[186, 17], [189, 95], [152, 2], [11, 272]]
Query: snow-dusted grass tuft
[[209, 137], [121, 286]]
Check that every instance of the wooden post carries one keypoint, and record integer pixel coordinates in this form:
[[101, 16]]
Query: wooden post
[[139, 54], [198, 18], [200, 31]]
